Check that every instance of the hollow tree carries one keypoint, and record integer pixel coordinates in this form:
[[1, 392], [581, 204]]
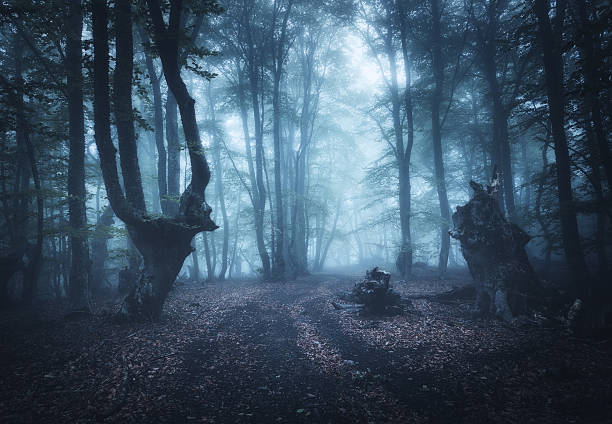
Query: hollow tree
[[163, 242]]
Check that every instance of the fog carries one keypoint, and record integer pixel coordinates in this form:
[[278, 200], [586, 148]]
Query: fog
[[257, 158]]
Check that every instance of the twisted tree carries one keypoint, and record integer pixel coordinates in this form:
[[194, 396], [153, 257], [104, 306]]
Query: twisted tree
[[163, 242]]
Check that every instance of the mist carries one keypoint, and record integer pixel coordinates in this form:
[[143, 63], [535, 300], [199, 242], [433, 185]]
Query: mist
[[305, 211]]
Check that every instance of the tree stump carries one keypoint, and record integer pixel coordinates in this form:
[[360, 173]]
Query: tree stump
[[494, 249], [376, 295]]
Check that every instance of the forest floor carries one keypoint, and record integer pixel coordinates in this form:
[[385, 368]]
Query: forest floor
[[252, 352]]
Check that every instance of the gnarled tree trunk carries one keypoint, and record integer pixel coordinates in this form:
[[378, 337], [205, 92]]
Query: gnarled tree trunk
[[164, 246], [494, 250], [164, 243]]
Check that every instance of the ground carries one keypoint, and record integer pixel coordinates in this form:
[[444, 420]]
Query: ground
[[254, 352]]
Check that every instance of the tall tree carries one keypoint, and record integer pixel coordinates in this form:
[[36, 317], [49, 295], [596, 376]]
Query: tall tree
[[219, 189], [405, 262], [163, 242], [80, 264], [279, 49], [554, 81], [436, 133]]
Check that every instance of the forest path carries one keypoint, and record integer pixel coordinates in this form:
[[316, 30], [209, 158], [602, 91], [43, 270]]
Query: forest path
[[257, 352]]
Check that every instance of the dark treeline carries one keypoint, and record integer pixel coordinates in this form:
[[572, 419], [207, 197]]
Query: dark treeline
[[312, 134]]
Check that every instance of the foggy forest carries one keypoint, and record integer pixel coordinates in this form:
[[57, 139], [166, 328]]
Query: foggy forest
[[305, 211]]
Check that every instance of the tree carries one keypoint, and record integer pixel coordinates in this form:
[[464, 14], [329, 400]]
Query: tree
[[280, 49], [163, 242], [391, 16], [80, 264], [436, 133], [554, 77], [219, 189]]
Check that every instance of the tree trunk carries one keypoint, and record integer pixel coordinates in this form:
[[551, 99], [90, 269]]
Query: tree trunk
[[174, 155], [122, 102], [235, 244], [163, 250], [279, 260], [404, 259], [321, 263], [159, 123], [219, 190], [99, 251], [544, 223], [553, 70], [28, 166], [494, 249], [405, 267], [163, 243], [279, 54], [210, 269], [501, 144], [80, 267], [195, 276], [259, 189], [298, 246], [438, 72]]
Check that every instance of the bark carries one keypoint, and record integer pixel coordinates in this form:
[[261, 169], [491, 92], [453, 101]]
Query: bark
[[124, 118], [80, 266], [159, 123], [174, 155], [494, 249], [438, 73], [553, 70], [99, 251]]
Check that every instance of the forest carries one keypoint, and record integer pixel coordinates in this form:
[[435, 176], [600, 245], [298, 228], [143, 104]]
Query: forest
[[256, 211]]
